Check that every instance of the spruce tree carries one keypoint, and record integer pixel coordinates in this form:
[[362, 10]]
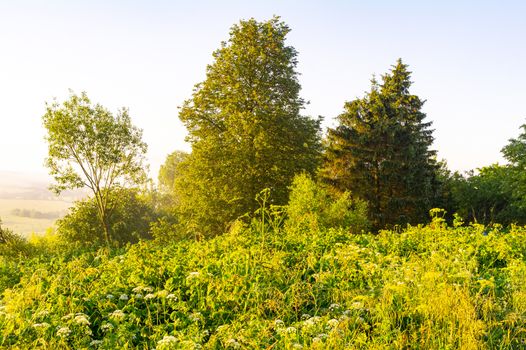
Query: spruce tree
[[245, 128], [380, 151]]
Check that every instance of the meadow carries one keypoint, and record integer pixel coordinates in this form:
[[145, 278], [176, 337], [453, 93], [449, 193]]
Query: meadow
[[266, 285], [28, 225]]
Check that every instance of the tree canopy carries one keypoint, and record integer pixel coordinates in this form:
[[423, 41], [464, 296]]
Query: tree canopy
[[380, 152], [245, 128], [90, 147]]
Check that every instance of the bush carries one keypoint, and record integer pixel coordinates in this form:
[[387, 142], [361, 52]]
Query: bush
[[312, 207], [11, 244], [130, 219]]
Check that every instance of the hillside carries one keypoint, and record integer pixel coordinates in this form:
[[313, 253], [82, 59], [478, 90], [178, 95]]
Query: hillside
[[428, 287], [28, 206]]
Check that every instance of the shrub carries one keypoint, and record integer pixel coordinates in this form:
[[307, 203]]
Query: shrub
[[11, 244], [311, 206], [129, 220]]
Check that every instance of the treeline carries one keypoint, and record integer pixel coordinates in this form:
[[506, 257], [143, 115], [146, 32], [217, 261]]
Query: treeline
[[376, 169], [35, 214]]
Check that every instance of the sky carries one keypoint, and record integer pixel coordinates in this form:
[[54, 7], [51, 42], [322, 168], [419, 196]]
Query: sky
[[467, 58]]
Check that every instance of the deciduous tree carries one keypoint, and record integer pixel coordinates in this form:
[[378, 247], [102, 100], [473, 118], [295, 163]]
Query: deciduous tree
[[90, 147], [245, 128]]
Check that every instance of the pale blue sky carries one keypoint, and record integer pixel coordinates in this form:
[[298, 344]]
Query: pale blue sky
[[468, 60]]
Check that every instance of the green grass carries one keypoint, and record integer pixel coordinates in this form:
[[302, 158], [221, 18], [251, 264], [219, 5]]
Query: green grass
[[425, 288]]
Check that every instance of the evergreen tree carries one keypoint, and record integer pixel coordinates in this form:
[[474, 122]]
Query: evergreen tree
[[245, 128], [381, 152]]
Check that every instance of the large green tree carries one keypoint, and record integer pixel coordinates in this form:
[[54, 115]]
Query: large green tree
[[90, 147], [380, 152], [245, 128]]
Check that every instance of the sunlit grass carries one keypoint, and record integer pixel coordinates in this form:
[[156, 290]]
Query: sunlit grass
[[428, 287]]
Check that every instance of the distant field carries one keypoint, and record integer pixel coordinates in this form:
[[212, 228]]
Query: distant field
[[27, 225]]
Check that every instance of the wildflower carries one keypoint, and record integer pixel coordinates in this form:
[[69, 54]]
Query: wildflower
[[322, 336], [137, 289], [149, 296], [82, 320], [290, 330], [279, 324], [334, 307], [63, 332], [123, 297], [42, 314], [117, 315], [233, 344], [43, 325], [106, 327], [67, 317], [167, 342], [343, 318], [196, 317], [171, 297], [147, 289], [316, 340], [309, 323], [138, 296], [315, 319], [95, 342], [109, 296], [297, 346], [333, 323]]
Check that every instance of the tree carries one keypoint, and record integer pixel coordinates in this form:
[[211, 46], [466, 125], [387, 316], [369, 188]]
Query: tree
[[129, 222], [487, 196], [245, 128], [169, 171], [380, 152], [89, 147]]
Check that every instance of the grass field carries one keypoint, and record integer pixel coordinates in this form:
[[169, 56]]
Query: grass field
[[260, 287], [25, 225]]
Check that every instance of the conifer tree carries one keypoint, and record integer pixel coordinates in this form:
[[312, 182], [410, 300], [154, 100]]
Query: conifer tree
[[380, 152], [245, 128]]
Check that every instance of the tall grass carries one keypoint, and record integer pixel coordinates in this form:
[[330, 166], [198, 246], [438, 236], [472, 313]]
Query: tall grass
[[271, 286]]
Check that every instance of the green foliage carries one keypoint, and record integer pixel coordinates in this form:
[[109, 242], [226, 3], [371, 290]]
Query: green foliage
[[496, 193], [89, 147], [245, 128], [312, 207], [129, 220], [433, 287], [487, 197], [380, 152], [169, 171], [11, 244]]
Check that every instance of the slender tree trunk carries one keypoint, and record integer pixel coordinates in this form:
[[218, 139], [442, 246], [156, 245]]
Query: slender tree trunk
[[103, 218], [106, 228]]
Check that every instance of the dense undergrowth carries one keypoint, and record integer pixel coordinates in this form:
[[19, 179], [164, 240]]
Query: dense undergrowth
[[267, 287]]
